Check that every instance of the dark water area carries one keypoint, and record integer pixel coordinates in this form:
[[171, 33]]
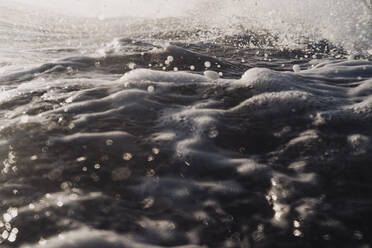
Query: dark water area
[[183, 138]]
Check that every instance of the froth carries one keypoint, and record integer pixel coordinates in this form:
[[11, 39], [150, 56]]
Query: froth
[[344, 23]]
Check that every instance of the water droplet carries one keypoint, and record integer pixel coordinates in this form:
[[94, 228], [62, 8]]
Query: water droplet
[[296, 68], [170, 58], [73, 197], [148, 202], [69, 70], [150, 173], [7, 217], [66, 185], [12, 237], [213, 133], [131, 65], [151, 89], [296, 224], [297, 233], [33, 157], [127, 156], [5, 234], [13, 212], [81, 159], [207, 64]]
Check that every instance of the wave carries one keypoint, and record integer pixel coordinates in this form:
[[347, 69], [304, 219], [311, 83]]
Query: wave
[[346, 24], [182, 157]]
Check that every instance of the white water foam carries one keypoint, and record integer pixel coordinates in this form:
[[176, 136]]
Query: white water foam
[[345, 23]]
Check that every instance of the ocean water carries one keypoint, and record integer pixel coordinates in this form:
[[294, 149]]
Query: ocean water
[[187, 124]]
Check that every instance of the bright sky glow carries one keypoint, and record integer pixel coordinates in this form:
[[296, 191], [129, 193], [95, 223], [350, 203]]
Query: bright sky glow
[[111, 8]]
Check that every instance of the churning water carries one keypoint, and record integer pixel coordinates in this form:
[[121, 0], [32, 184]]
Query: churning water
[[189, 124]]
